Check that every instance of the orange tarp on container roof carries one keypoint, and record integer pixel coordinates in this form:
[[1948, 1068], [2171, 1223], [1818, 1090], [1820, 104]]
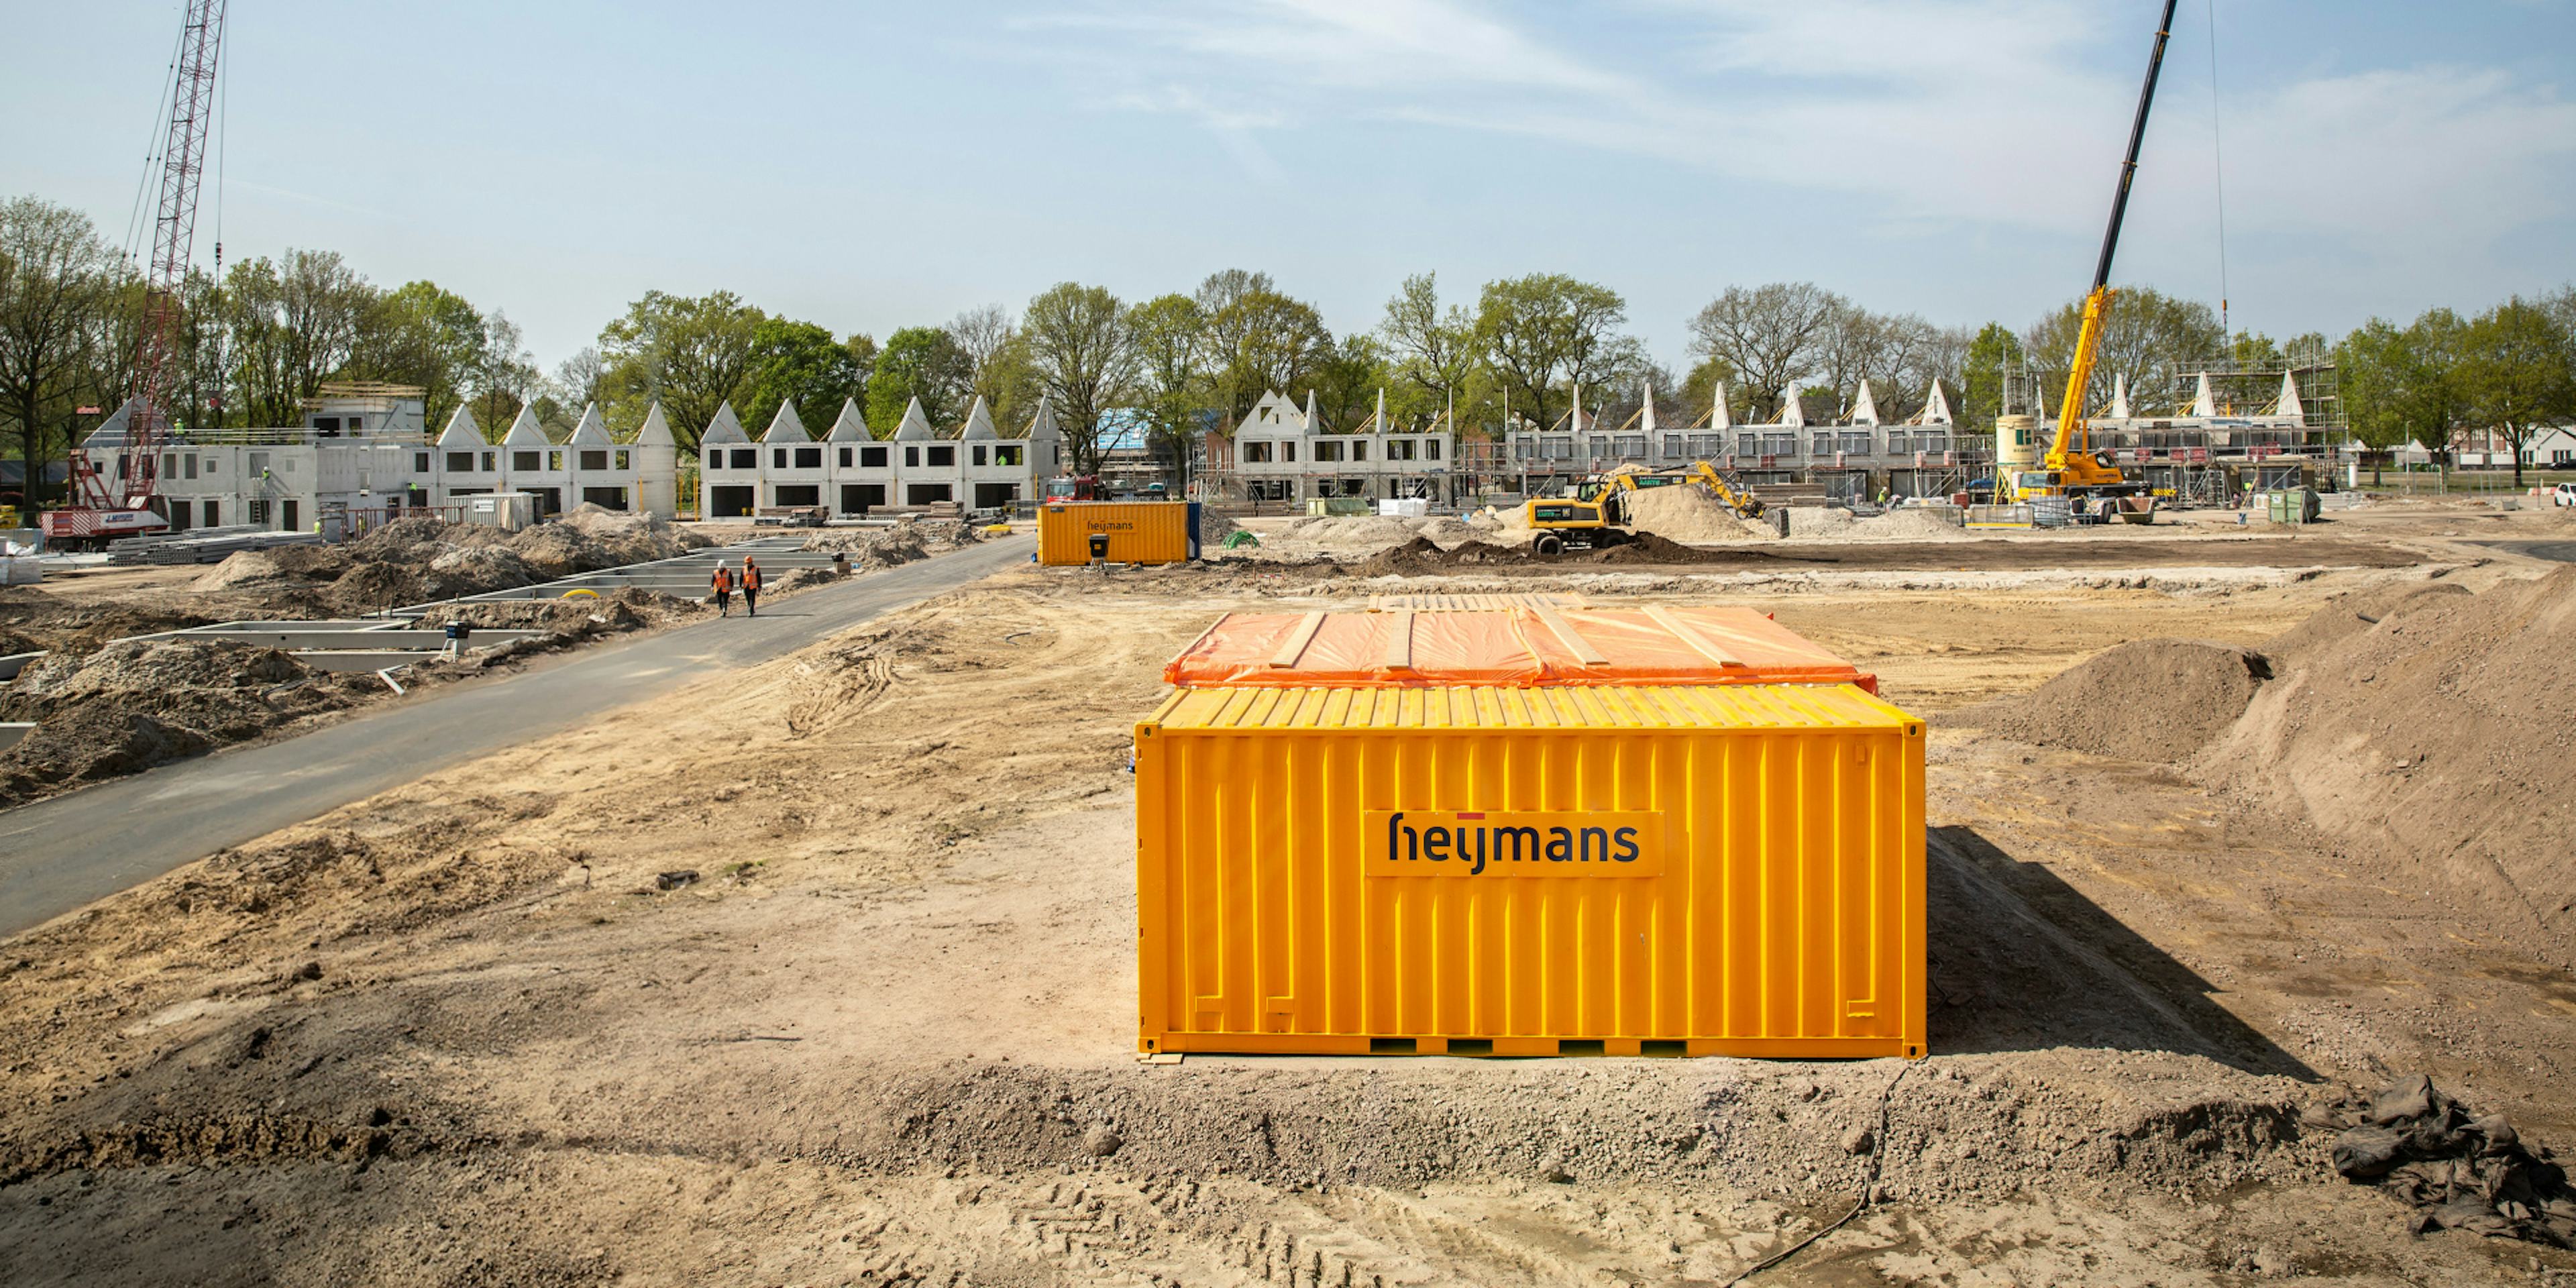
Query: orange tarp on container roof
[[1521, 648]]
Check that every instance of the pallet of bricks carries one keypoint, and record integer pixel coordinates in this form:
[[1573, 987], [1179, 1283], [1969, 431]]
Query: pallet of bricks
[[1534, 828]]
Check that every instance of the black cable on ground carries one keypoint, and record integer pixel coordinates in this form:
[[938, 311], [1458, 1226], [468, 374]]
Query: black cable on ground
[[1877, 1154]]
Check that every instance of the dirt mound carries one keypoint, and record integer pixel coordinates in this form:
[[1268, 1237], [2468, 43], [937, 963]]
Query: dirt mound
[[1833, 523], [1423, 556], [286, 565], [903, 543], [1352, 534], [139, 703], [2145, 700], [1687, 513], [2435, 741]]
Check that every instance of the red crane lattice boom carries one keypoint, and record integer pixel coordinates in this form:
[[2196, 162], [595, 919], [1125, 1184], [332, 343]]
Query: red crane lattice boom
[[174, 231]]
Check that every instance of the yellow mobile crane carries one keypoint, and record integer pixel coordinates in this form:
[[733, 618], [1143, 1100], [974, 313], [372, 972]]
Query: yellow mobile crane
[[2071, 467]]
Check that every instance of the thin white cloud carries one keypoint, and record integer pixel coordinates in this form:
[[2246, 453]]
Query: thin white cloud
[[1987, 112]]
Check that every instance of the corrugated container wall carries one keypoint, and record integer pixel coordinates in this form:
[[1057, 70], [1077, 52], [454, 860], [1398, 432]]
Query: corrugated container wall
[[1514, 871], [1140, 532]]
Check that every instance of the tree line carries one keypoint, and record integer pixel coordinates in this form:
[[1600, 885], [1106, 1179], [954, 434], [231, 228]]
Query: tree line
[[2511, 369], [1518, 351]]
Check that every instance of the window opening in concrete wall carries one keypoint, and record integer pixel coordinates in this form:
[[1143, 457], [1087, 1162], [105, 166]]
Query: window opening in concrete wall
[[809, 458], [593, 459], [872, 458], [943, 456]]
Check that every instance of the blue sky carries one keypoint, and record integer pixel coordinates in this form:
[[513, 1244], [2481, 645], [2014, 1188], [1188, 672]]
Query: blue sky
[[870, 166]]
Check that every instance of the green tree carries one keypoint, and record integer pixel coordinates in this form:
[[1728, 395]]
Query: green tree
[[504, 377], [1169, 335], [1699, 388], [2148, 339], [1263, 340], [798, 363], [1348, 381], [293, 323], [2518, 369], [55, 271], [2404, 385], [1548, 330], [1770, 336], [420, 334], [1085, 358], [998, 365], [689, 353], [1994, 354], [921, 362], [1432, 350]]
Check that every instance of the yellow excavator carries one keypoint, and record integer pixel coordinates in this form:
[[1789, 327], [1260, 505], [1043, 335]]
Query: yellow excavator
[[2072, 468], [1719, 483]]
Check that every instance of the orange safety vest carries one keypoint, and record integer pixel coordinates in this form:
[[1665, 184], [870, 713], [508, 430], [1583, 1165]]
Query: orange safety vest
[[750, 576], [724, 579]]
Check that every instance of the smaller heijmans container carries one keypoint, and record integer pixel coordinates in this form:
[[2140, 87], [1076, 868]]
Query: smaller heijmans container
[[1139, 532], [1615, 869]]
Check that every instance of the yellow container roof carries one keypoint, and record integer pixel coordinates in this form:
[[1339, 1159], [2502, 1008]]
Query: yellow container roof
[[1620, 708]]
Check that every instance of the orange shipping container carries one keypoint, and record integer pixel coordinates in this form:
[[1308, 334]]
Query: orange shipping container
[[1139, 532], [1521, 647], [1531, 871]]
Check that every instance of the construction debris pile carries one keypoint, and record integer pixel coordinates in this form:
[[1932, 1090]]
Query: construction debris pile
[[870, 549], [133, 704], [2458, 1170], [138, 703], [413, 561]]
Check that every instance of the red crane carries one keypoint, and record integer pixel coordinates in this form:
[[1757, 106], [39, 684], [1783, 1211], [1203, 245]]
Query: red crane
[[122, 505]]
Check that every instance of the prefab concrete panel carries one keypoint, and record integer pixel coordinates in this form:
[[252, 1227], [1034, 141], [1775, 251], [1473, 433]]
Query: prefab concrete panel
[[1623, 871]]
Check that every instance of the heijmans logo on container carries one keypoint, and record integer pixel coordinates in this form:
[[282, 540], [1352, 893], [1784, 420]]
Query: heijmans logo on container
[[1516, 843]]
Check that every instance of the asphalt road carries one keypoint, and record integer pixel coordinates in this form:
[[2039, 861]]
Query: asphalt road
[[2554, 551], [57, 855]]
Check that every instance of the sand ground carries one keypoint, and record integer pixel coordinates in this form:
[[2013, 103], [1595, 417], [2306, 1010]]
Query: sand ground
[[824, 974]]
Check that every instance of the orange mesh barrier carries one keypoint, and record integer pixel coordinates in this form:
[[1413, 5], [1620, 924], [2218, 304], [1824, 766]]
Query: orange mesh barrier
[[1519, 648]]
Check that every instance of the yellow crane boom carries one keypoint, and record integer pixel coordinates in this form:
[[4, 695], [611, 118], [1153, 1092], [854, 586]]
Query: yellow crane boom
[[2072, 469]]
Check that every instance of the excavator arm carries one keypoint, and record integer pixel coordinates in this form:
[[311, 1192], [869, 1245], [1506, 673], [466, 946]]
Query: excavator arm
[[2070, 455]]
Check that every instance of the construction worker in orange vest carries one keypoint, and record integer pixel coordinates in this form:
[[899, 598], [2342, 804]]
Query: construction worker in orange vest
[[750, 586], [722, 589]]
